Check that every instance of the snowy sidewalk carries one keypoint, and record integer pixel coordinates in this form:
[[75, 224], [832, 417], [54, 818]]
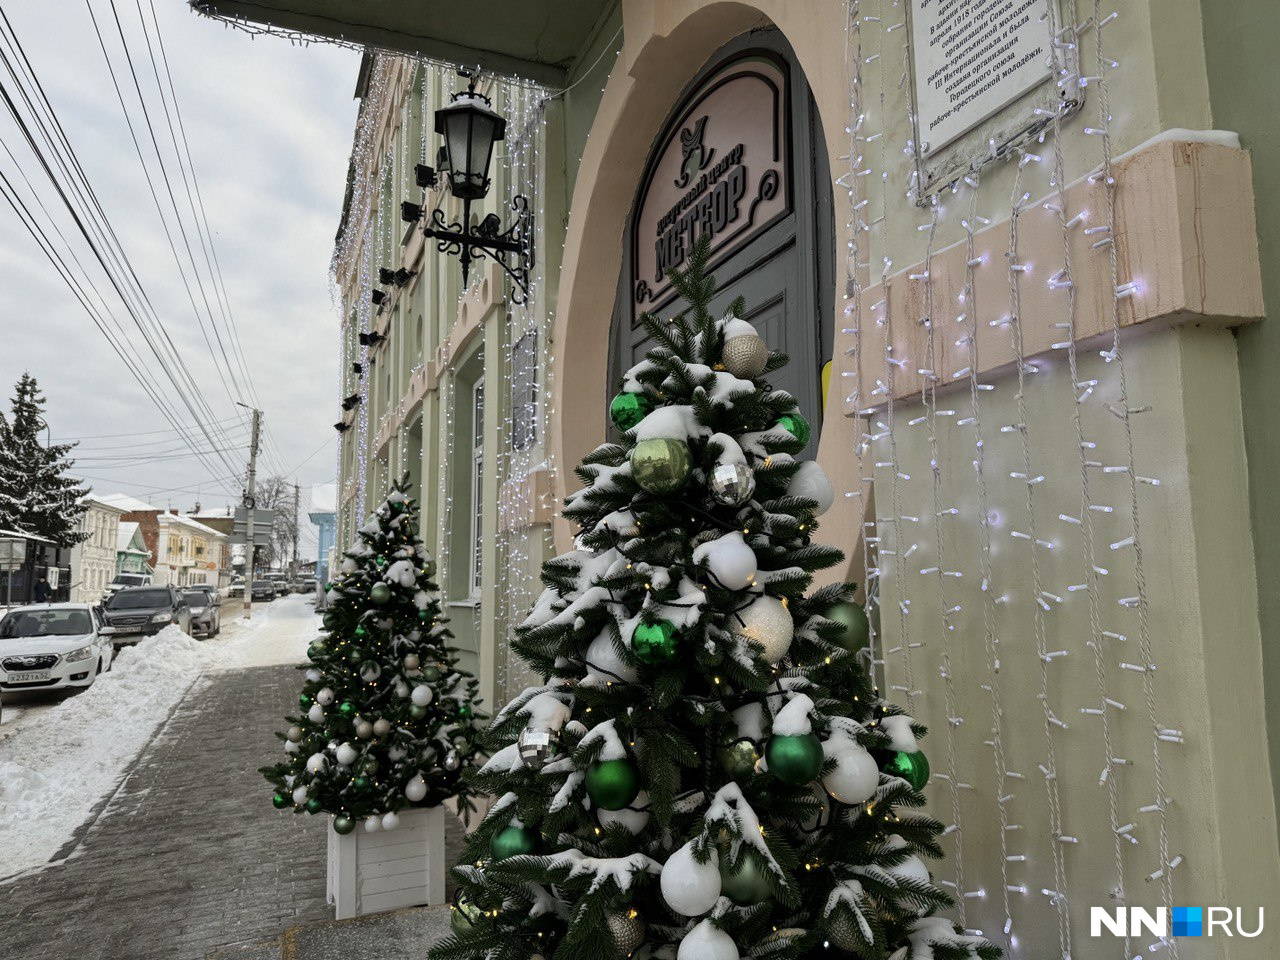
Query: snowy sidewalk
[[187, 854]]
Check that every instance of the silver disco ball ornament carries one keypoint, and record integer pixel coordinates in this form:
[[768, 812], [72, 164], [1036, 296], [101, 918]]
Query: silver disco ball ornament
[[745, 355], [536, 748], [627, 931], [732, 483], [452, 761]]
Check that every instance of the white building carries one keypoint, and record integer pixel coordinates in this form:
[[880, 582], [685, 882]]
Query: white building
[[188, 552], [93, 560]]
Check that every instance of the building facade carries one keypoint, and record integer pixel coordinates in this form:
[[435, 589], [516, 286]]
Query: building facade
[[132, 555], [93, 560], [1023, 273], [180, 550]]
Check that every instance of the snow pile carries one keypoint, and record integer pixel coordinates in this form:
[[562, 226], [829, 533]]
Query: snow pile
[[55, 768]]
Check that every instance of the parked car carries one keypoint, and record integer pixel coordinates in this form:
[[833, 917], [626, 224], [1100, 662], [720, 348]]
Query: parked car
[[264, 590], [52, 647], [206, 610], [139, 612], [123, 581], [279, 580], [302, 585], [236, 589]]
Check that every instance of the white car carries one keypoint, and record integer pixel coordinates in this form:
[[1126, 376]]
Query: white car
[[52, 646]]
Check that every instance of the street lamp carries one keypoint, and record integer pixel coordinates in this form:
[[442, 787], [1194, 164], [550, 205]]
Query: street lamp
[[470, 127]]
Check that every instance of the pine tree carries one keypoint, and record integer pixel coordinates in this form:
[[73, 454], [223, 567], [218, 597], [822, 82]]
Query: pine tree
[[707, 772], [389, 720], [36, 495]]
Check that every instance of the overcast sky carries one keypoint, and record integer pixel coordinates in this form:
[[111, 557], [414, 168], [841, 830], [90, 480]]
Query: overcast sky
[[270, 127]]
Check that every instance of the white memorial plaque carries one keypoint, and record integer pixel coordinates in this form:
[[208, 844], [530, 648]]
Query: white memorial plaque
[[972, 58]]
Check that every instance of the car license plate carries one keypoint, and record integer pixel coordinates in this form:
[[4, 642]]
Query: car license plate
[[133, 629], [31, 677]]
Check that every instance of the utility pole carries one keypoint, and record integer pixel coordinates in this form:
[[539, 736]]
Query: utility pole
[[297, 502], [250, 503]]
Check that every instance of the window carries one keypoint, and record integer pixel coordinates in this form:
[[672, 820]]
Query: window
[[524, 391], [477, 482]]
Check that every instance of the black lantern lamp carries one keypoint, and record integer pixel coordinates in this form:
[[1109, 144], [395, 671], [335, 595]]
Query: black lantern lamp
[[470, 128]]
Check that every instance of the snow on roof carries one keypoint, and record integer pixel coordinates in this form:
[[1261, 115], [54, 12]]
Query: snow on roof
[[214, 513], [186, 521], [93, 498], [127, 503], [124, 536]]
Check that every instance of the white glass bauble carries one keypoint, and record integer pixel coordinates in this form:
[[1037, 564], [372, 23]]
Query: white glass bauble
[[707, 942], [316, 763], [416, 789], [347, 754], [810, 481], [767, 622], [324, 697], [690, 888], [316, 713], [422, 695], [856, 776]]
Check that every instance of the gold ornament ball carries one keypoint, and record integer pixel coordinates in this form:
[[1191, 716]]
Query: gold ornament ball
[[745, 355], [661, 465], [843, 932], [627, 931]]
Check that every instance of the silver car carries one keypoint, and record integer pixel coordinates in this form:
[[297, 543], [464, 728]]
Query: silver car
[[206, 610]]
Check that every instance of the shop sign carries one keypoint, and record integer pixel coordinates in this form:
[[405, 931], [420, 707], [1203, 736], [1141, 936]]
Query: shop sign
[[721, 168]]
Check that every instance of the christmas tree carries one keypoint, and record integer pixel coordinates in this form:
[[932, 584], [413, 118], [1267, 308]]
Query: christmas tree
[[36, 495], [707, 772], [388, 719]]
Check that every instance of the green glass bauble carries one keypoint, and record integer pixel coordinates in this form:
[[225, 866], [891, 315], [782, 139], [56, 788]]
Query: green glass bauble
[[628, 409], [328, 585], [796, 425], [794, 760], [465, 915], [315, 652], [431, 673], [381, 561], [738, 759], [380, 593], [417, 711], [304, 701], [361, 632], [465, 711], [661, 465], [654, 642], [911, 767], [343, 825], [360, 783], [745, 886], [857, 631], [424, 615], [513, 841], [279, 801], [613, 784], [313, 805], [429, 569], [346, 708]]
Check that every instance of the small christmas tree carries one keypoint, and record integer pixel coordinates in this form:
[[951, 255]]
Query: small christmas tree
[[389, 720], [707, 773]]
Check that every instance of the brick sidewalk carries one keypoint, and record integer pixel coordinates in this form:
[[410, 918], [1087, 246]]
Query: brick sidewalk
[[188, 855]]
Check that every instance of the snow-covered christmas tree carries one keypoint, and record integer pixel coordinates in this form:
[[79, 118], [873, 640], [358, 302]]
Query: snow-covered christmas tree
[[388, 719], [707, 772]]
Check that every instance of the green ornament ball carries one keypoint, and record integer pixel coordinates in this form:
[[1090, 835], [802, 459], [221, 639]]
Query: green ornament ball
[[911, 767], [370, 766], [346, 708], [431, 673], [315, 652], [745, 886], [857, 629], [424, 615], [429, 569], [343, 825], [738, 759], [655, 642], [513, 841], [280, 801], [465, 915], [417, 711], [465, 711], [304, 701], [328, 585], [796, 425], [796, 760], [360, 783], [613, 784], [661, 465], [313, 805], [381, 560], [380, 593], [361, 632], [628, 409]]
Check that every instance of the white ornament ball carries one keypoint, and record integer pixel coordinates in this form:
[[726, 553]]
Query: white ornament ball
[[372, 825], [690, 888], [292, 748], [422, 695], [390, 821], [347, 754], [412, 661], [381, 727], [316, 713], [707, 942], [810, 481], [313, 675], [416, 789], [299, 794], [364, 729], [767, 622], [634, 817], [912, 868], [324, 697], [316, 763], [856, 776], [729, 560], [603, 660], [397, 753], [402, 689]]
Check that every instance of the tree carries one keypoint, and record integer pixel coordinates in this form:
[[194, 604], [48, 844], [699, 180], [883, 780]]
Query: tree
[[36, 495], [275, 493], [706, 772], [389, 719]]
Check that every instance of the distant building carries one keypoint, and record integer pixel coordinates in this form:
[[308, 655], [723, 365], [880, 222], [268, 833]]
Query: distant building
[[93, 560], [132, 555], [323, 500], [183, 551]]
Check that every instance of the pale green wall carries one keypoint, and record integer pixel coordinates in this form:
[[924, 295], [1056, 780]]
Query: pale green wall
[[1241, 40]]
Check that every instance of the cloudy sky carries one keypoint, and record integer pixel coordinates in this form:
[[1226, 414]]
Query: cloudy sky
[[269, 127]]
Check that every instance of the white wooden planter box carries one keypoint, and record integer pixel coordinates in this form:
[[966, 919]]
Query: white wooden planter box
[[388, 869]]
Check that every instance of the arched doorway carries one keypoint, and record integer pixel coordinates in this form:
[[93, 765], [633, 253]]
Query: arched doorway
[[742, 157]]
